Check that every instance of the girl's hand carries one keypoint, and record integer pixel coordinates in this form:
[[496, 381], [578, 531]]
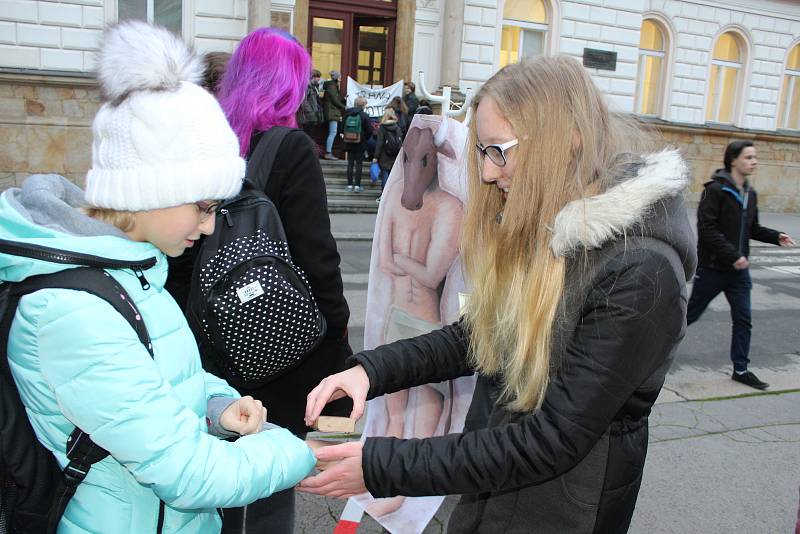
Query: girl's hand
[[352, 383], [342, 479], [245, 416]]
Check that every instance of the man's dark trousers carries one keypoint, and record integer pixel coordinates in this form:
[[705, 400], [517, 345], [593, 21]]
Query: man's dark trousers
[[355, 163], [736, 285]]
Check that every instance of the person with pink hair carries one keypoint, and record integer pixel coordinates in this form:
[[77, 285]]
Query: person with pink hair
[[263, 87]]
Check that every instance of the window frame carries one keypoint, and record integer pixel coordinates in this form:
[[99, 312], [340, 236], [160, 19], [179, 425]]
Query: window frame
[[783, 115], [664, 93], [187, 16], [550, 29], [742, 77]]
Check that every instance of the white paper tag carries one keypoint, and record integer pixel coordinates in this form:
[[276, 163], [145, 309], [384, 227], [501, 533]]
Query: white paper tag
[[250, 291]]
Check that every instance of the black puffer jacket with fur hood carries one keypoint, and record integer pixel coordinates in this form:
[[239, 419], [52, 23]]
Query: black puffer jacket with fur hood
[[575, 464]]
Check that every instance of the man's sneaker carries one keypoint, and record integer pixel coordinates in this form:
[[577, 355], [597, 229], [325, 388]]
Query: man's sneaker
[[330, 157], [378, 200], [749, 379], [358, 189], [350, 188]]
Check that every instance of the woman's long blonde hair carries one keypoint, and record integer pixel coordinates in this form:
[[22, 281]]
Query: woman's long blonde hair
[[568, 148]]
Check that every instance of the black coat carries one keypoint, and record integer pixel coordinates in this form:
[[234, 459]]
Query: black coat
[[725, 225], [386, 161], [332, 102], [411, 103], [297, 189], [574, 465]]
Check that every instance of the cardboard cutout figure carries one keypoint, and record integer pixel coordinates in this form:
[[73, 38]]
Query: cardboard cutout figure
[[414, 285]]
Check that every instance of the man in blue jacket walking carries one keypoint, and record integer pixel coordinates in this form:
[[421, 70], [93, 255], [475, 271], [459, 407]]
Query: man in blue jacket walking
[[727, 218]]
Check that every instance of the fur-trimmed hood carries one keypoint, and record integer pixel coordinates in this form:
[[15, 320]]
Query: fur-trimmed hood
[[646, 203]]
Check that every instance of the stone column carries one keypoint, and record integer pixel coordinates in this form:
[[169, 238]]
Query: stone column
[[258, 14], [404, 39], [301, 22], [452, 30]]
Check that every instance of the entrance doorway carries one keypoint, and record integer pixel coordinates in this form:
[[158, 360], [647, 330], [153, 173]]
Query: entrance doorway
[[354, 38]]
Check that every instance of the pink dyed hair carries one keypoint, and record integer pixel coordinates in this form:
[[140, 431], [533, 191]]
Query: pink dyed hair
[[264, 83]]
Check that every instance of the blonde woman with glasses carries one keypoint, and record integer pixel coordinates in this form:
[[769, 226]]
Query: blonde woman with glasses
[[578, 245]]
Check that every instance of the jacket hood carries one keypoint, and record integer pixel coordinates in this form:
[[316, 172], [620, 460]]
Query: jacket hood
[[724, 178], [45, 212], [390, 125], [646, 201]]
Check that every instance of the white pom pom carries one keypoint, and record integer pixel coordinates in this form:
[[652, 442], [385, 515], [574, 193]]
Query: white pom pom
[[137, 56]]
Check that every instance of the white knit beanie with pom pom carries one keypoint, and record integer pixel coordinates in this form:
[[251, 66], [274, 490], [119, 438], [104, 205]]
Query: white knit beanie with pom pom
[[160, 140]]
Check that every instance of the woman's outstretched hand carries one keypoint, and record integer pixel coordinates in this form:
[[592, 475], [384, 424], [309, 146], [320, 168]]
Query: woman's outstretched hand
[[341, 479], [352, 383]]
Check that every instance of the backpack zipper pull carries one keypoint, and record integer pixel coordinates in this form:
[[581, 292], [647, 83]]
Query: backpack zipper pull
[[225, 213], [142, 280]]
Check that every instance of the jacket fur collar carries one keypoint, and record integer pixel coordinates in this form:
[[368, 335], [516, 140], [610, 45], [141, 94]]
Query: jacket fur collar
[[591, 222]]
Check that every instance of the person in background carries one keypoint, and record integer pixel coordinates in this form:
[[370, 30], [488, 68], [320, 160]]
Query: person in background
[[356, 150], [333, 105], [214, 64], [398, 105], [727, 218], [310, 113], [390, 139], [410, 98], [424, 107], [263, 87]]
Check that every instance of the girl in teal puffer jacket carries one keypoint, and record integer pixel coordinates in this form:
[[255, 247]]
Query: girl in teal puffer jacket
[[163, 156]]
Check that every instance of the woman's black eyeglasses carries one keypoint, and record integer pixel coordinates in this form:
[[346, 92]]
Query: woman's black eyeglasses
[[207, 209], [496, 153]]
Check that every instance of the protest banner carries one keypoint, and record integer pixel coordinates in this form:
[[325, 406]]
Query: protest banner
[[377, 97]]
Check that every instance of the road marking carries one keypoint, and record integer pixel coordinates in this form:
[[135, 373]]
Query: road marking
[[785, 269]]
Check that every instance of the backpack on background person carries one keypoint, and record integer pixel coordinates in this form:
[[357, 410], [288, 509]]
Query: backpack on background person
[[392, 141], [352, 128], [250, 307]]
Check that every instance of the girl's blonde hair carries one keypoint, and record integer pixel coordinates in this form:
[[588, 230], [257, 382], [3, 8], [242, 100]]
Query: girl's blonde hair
[[568, 148], [388, 115], [123, 220]]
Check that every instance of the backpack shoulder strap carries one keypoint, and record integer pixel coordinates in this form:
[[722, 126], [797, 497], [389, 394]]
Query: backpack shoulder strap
[[88, 279], [259, 165]]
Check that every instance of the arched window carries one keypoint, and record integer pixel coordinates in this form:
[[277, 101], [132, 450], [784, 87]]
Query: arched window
[[524, 30], [652, 62], [727, 75], [789, 116]]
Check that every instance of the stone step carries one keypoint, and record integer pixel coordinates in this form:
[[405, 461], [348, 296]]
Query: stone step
[[341, 182], [341, 192], [362, 205]]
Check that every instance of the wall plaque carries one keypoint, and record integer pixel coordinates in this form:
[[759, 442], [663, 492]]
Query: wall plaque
[[599, 59]]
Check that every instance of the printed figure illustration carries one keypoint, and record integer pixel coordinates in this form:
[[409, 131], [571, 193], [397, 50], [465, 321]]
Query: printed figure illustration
[[414, 286]]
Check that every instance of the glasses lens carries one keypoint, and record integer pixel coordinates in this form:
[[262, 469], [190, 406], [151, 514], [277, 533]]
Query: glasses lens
[[496, 155]]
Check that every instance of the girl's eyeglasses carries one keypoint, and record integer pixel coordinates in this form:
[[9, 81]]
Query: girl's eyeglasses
[[496, 153], [206, 209]]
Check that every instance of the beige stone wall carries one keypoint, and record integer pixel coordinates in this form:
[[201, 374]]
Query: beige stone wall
[[777, 177], [45, 126]]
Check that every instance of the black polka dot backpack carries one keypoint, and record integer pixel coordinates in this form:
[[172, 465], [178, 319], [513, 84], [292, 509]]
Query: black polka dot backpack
[[250, 307]]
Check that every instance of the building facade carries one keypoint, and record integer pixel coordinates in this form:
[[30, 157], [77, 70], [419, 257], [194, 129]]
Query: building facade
[[701, 72]]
